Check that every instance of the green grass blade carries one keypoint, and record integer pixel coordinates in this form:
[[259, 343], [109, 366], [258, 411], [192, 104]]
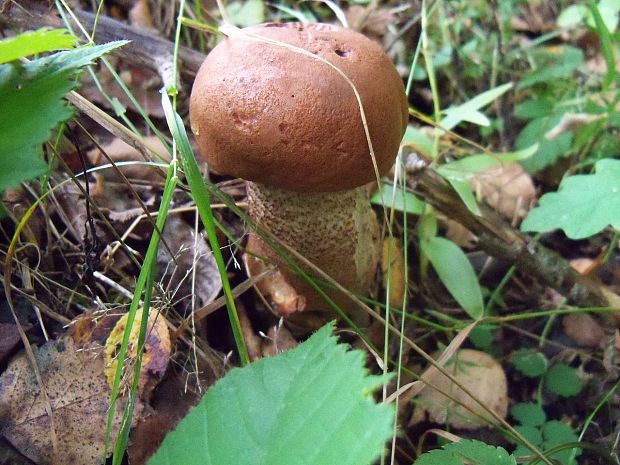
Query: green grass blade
[[202, 198]]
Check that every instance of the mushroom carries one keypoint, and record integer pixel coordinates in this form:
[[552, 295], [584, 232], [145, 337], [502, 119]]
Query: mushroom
[[289, 123]]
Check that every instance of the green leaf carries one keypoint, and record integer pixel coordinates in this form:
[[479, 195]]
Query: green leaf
[[583, 206], [463, 189], [534, 108], [311, 405], [419, 141], [401, 199], [246, 13], [549, 151], [468, 111], [563, 380], [607, 46], [572, 16], [482, 336], [562, 62], [530, 363], [467, 452], [32, 105], [456, 273], [555, 433], [467, 167], [528, 414], [31, 43], [531, 433]]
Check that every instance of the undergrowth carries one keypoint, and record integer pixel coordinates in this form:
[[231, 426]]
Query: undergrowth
[[513, 90]]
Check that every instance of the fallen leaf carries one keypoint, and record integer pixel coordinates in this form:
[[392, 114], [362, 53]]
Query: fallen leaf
[[583, 265], [507, 188], [584, 330], [140, 14], [9, 338], [156, 352], [480, 374], [171, 401], [279, 339], [119, 151], [571, 121], [79, 397], [393, 267]]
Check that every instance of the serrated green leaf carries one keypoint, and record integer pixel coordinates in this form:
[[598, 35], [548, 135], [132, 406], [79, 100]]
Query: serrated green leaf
[[456, 273], [555, 433], [530, 362], [467, 452], [528, 414], [468, 111], [310, 405], [32, 105], [400, 199], [31, 43], [563, 380], [531, 433], [583, 206]]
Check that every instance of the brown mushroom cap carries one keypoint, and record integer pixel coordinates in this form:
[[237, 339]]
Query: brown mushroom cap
[[269, 114]]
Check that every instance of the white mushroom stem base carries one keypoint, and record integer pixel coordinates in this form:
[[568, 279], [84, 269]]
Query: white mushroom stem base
[[336, 231]]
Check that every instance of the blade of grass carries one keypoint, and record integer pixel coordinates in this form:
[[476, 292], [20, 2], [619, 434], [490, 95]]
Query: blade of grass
[[202, 198], [606, 44], [143, 280]]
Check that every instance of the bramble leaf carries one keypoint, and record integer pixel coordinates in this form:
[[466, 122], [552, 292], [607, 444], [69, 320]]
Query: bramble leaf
[[32, 105], [467, 451], [33, 42], [310, 405]]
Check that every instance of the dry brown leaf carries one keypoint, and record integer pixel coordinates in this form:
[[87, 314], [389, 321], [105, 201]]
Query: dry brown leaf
[[9, 337], [583, 265], [479, 373], [279, 339], [156, 352], [392, 262], [584, 330], [571, 121], [119, 151], [140, 14], [189, 253], [459, 234], [506, 188], [79, 397], [374, 23], [171, 402]]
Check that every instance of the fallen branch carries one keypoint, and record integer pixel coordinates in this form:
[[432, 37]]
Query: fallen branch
[[500, 240], [146, 48]]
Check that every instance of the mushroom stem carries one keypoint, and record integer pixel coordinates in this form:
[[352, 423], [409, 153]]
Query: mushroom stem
[[336, 231]]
